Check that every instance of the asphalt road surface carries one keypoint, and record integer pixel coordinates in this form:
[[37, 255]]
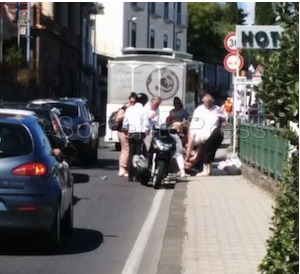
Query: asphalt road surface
[[118, 228]]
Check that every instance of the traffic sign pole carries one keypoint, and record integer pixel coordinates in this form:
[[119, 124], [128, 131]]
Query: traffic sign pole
[[233, 62], [234, 106]]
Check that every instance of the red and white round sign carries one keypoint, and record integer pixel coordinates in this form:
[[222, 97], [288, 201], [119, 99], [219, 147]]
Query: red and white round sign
[[232, 62], [230, 42]]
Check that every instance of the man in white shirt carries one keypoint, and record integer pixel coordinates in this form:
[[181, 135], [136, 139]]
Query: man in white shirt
[[136, 126], [152, 109], [205, 132]]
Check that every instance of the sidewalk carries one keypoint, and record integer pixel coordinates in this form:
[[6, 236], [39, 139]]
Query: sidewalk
[[217, 225], [227, 221]]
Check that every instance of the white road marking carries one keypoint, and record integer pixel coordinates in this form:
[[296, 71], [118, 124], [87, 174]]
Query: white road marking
[[135, 256]]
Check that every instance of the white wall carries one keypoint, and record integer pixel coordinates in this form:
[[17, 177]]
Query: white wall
[[112, 28], [109, 29]]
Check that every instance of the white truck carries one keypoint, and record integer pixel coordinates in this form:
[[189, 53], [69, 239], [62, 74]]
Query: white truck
[[165, 73]]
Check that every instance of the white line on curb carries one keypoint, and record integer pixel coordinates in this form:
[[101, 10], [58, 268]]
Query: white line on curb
[[135, 256]]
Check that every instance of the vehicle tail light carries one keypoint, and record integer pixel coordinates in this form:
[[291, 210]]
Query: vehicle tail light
[[30, 169], [26, 208]]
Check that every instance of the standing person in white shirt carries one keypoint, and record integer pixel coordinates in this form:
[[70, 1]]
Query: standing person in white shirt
[[205, 132], [152, 109], [136, 126]]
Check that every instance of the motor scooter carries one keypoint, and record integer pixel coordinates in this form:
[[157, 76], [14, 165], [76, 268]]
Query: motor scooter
[[156, 163]]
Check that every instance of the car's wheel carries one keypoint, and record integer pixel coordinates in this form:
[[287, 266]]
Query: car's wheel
[[160, 174], [54, 234], [94, 155], [145, 177], [68, 220], [86, 158]]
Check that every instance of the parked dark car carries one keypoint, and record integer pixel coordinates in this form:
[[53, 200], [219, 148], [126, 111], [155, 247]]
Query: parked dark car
[[47, 117], [79, 124], [36, 188]]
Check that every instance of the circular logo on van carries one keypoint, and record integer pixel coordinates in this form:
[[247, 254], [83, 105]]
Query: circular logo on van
[[163, 83]]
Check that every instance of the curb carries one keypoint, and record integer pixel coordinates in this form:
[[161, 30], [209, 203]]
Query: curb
[[171, 254], [261, 180]]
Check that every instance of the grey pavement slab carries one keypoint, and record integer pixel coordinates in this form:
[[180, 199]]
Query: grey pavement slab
[[227, 220]]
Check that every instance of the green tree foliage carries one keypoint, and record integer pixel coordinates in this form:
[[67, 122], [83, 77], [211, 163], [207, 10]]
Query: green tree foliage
[[241, 17], [279, 92], [264, 13], [234, 15], [209, 23], [280, 81], [231, 11], [204, 42], [14, 57]]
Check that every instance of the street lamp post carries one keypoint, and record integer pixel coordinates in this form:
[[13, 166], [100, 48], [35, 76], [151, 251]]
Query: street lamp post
[[133, 19]]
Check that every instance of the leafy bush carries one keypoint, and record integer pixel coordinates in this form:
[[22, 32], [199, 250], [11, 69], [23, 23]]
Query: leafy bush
[[283, 246], [14, 57], [279, 92]]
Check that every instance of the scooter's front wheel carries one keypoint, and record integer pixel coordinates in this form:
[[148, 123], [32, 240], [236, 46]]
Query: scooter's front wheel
[[160, 174]]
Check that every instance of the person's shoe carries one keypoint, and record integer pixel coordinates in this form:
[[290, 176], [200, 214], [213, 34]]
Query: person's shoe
[[183, 174], [125, 174], [122, 171], [200, 174]]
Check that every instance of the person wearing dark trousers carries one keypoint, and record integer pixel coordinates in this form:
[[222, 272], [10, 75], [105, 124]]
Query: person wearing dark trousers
[[209, 149], [136, 147], [136, 126], [205, 133]]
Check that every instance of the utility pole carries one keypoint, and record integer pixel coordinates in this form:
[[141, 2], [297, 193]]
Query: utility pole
[[18, 23]]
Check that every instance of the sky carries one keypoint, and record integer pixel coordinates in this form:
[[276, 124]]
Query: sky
[[248, 7]]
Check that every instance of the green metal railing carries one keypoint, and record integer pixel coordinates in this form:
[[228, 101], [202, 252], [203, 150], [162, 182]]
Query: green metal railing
[[262, 148]]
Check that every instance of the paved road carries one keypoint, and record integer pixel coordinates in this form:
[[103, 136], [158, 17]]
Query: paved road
[[119, 228]]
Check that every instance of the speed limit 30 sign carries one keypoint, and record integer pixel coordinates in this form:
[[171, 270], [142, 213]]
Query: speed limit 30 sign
[[230, 42]]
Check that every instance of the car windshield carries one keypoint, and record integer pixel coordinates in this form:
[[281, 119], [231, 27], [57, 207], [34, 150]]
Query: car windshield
[[66, 109], [14, 140]]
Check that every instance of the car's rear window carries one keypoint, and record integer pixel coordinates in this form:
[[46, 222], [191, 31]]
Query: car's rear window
[[66, 109], [14, 140]]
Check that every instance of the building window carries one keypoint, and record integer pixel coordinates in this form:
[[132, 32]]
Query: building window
[[166, 10], [152, 39], [178, 7], [165, 40], [152, 7], [178, 44], [178, 21], [133, 34]]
